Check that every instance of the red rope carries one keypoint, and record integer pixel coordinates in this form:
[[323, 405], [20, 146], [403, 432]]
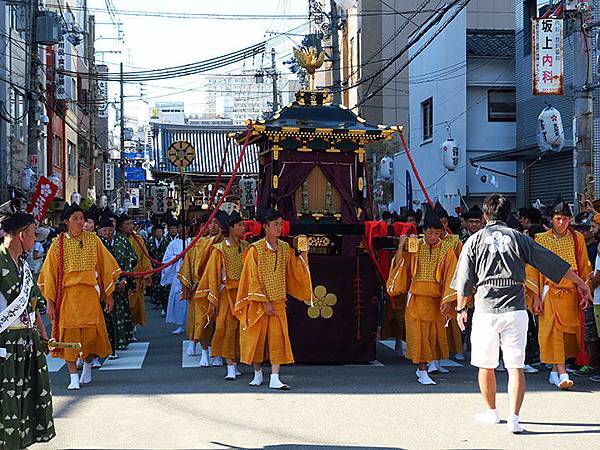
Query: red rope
[[212, 216], [582, 358], [414, 168], [144, 250], [218, 182], [210, 202]]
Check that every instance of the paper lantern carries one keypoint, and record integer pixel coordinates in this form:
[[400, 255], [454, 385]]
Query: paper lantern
[[386, 168], [450, 154], [551, 136]]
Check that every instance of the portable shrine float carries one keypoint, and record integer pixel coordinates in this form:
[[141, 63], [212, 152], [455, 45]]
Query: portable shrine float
[[313, 170]]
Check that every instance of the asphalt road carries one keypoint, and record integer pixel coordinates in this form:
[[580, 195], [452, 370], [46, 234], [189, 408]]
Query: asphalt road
[[165, 406]]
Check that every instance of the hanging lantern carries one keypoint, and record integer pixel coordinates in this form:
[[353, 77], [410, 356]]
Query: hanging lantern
[[386, 169], [450, 154], [248, 192], [551, 134]]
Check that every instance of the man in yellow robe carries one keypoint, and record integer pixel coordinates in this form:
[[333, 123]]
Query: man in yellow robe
[[455, 342], [425, 276], [136, 295], [558, 304], [219, 286], [199, 329], [88, 275], [272, 270]]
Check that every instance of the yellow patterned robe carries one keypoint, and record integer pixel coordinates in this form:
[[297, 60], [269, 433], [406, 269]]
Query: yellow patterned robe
[[268, 276], [425, 276], [136, 295], [219, 286], [198, 328], [90, 273], [454, 335], [560, 323]]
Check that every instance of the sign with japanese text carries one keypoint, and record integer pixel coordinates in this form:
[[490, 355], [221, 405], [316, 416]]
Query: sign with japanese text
[[159, 199], [64, 85], [548, 57], [109, 176], [43, 196]]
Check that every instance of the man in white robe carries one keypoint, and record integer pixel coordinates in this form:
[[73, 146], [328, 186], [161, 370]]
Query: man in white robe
[[176, 308]]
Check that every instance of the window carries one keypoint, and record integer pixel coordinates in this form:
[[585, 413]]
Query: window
[[427, 119], [57, 151], [502, 105], [71, 158]]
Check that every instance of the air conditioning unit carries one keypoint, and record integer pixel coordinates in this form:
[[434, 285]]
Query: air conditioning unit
[[48, 28]]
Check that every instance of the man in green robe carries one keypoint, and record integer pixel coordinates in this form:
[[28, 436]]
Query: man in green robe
[[118, 322], [25, 398], [157, 244]]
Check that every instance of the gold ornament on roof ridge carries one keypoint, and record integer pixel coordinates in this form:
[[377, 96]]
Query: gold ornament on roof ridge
[[310, 59]]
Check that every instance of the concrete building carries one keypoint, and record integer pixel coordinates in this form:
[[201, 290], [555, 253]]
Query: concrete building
[[461, 85], [236, 97], [13, 101], [168, 112], [544, 176]]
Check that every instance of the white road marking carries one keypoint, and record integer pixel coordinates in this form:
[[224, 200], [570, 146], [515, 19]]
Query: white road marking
[[54, 364], [132, 358], [391, 344]]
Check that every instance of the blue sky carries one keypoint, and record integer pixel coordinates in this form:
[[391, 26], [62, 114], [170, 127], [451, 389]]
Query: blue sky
[[155, 42]]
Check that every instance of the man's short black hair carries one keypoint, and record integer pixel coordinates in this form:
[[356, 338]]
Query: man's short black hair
[[497, 207], [534, 215]]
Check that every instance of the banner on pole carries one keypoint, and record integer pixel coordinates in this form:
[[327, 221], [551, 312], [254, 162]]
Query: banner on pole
[[43, 196], [547, 57], [109, 176]]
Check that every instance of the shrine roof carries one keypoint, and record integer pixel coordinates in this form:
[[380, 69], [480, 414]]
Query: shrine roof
[[314, 113]]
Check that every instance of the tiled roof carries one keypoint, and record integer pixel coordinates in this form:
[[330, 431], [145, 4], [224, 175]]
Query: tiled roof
[[491, 44], [210, 143]]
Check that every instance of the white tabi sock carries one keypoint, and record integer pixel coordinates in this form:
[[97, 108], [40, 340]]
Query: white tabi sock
[[423, 377], [512, 423], [96, 363], [204, 360], [276, 383], [553, 378], [489, 416], [237, 371], [86, 373], [258, 378], [230, 373], [191, 349], [565, 382], [74, 384]]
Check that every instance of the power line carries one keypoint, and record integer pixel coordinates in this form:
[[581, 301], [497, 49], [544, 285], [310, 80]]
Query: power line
[[421, 49]]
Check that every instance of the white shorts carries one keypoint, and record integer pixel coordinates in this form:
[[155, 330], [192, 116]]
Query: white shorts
[[490, 332]]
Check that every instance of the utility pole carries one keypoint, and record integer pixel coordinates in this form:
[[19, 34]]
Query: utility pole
[[122, 140], [582, 100], [32, 87], [274, 77], [335, 54]]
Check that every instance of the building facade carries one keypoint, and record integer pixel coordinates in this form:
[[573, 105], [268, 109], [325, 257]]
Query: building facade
[[461, 84]]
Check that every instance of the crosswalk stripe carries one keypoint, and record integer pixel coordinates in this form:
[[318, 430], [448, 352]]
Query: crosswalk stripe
[[132, 358], [54, 364], [369, 364], [188, 361], [391, 344]]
